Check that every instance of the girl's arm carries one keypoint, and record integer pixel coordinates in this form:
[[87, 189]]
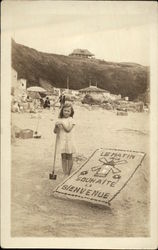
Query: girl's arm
[[68, 128], [57, 127]]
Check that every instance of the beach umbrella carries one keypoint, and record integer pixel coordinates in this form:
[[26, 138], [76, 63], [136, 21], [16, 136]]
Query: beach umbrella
[[36, 89]]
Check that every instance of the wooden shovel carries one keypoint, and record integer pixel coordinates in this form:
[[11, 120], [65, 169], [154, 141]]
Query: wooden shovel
[[53, 176]]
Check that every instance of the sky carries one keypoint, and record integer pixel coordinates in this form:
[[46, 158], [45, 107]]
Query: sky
[[113, 31]]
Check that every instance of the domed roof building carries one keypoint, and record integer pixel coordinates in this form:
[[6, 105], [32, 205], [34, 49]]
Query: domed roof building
[[82, 53]]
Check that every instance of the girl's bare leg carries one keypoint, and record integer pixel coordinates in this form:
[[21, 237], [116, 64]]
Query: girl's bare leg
[[70, 164], [64, 163]]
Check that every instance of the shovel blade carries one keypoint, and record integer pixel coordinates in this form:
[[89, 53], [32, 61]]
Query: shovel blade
[[37, 136], [52, 176]]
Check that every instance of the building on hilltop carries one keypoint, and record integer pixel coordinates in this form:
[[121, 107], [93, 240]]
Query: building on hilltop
[[81, 53]]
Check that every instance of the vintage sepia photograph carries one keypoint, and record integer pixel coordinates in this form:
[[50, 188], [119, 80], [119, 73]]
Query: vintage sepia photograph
[[79, 124]]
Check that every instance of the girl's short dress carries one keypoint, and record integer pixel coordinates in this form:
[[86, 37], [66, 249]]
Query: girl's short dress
[[66, 139]]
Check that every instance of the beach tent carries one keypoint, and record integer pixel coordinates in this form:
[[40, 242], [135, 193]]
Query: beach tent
[[92, 90], [35, 91]]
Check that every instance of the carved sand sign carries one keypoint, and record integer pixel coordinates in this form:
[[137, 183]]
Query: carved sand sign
[[102, 176]]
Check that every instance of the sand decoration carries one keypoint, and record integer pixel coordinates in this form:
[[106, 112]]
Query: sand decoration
[[102, 177]]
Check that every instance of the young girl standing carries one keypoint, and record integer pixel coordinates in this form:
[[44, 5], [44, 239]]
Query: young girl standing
[[64, 129]]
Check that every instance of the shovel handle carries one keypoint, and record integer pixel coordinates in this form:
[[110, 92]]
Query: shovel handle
[[55, 150], [37, 123]]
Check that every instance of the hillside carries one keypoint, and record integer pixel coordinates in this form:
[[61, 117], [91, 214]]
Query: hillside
[[127, 79]]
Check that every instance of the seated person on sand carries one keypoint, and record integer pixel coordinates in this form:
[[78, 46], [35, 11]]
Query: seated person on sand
[[15, 107], [46, 103]]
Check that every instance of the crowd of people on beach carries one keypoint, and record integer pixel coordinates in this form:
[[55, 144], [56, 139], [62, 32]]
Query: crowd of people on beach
[[28, 104]]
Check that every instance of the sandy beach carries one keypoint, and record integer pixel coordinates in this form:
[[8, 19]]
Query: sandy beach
[[35, 212]]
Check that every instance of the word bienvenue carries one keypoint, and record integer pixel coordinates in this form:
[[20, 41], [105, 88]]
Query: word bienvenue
[[85, 191]]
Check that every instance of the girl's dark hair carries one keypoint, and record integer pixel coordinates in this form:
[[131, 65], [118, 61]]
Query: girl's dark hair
[[66, 105]]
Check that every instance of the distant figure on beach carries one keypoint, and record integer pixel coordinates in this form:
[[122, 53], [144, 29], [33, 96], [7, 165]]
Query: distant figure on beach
[[46, 103], [41, 102], [64, 129], [28, 99], [15, 106], [62, 100]]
